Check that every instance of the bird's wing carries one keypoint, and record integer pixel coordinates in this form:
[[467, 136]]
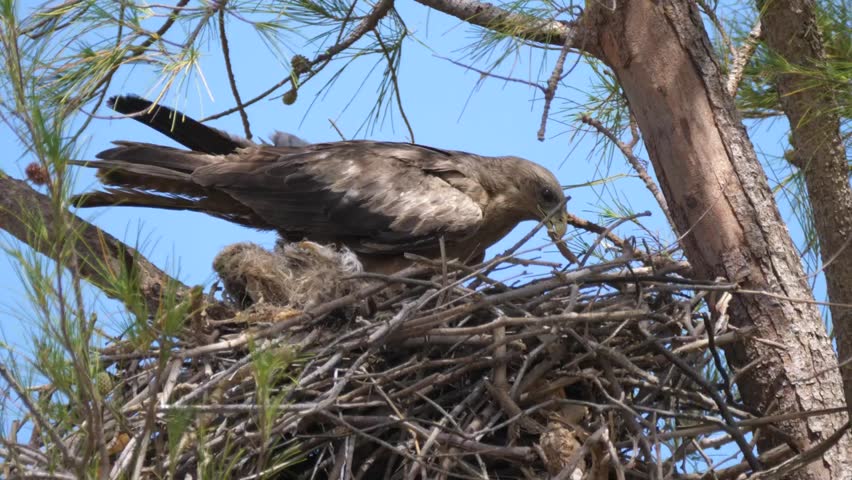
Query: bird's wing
[[378, 197]]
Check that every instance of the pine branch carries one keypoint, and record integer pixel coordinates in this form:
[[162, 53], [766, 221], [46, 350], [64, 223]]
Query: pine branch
[[529, 27], [97, 251]]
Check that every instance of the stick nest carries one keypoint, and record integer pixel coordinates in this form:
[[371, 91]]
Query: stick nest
[[320, 371]]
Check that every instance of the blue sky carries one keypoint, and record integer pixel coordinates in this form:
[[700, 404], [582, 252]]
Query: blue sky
[[447, 106]]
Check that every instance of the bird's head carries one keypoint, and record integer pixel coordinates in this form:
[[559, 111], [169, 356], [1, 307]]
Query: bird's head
[[543, 197]]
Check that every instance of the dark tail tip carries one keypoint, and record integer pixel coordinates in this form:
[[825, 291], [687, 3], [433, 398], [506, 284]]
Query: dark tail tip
[[185, 130], [129, 104]]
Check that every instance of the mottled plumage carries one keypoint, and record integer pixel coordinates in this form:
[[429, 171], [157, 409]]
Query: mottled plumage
[[380, 199]]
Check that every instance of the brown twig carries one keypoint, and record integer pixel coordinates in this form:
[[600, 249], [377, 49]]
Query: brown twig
[[709, 390], [226, 53], [637, 164], [367, 24], [553, 83], [711, 14], [395, 82]]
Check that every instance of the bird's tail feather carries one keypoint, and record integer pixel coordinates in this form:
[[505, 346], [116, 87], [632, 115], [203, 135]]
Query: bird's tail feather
[[142, 167], [185, 130], [133, 198], [216, 204], [147, 175]]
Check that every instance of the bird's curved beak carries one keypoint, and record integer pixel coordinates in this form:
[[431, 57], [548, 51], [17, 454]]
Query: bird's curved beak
[[557, 224]]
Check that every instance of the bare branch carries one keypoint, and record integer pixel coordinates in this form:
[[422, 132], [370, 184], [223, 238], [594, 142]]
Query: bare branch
[[635, 162], [553, 83], [226, 53], [741, 58]]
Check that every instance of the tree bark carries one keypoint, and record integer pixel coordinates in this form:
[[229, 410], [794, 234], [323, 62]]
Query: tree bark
[[791, 30], [719, 196], [24, 212]]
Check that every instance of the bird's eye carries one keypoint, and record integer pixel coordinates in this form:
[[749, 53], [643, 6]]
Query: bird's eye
[[548, 196]]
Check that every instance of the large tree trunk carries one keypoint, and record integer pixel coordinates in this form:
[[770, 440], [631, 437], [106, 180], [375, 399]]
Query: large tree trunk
[[718, 194], [790, 29]]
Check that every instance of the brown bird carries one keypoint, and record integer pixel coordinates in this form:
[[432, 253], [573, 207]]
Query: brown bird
[[379, 199]]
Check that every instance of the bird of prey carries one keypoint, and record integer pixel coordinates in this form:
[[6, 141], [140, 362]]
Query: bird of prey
[[379, 199]]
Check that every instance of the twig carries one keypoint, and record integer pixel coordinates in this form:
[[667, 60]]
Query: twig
[[231, 77], [636, 163], [730, 427], [572, 462], [553, 83], [608, 230], [741, 59], [710, 330], [810, 455], [711, 14], [395, 82], [39, 417], [486, 73], [367, 24]]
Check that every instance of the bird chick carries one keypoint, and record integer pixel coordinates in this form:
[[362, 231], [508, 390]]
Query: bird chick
[[299, 275]]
